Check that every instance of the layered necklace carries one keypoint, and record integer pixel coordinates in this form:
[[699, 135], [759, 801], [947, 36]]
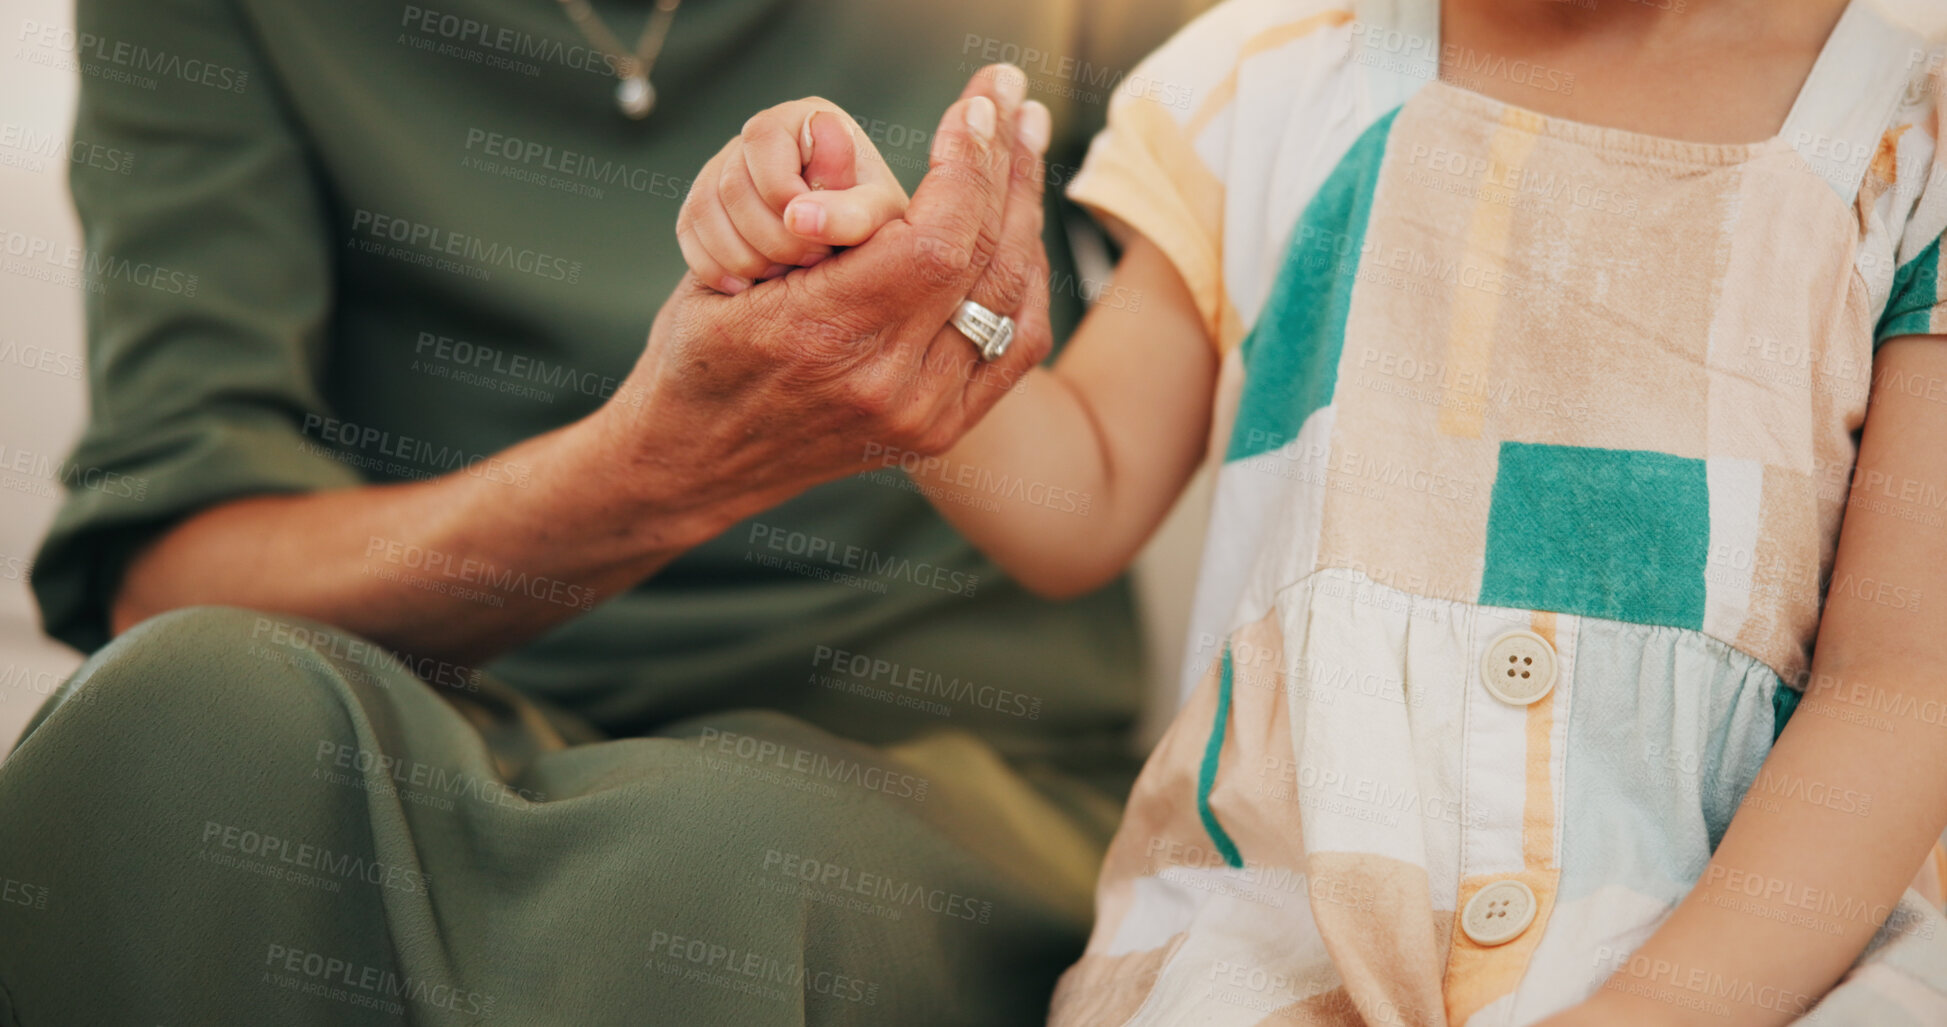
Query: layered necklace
[[634, 95]]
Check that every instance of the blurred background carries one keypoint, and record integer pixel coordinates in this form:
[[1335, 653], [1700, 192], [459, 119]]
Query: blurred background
[[43, 394], [42, 401]]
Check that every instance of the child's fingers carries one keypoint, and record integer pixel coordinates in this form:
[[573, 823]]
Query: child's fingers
[[711, 245], [723, 243], [759, 224], [732, 230], [705, 267], [702, 264], [846, 217], [776, 150]]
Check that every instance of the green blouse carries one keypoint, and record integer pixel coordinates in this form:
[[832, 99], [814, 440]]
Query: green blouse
[[371, 241]]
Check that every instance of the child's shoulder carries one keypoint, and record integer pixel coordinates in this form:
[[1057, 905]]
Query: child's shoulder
[[1902, 198], [1906, 174]]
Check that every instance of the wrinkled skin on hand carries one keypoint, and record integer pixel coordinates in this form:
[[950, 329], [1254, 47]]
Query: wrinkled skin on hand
[[793, 381]]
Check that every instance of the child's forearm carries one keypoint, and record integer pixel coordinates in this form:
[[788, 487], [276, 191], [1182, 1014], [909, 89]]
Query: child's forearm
[[1030, 486], [1838, 822], [1070, 474], [1852, 797]]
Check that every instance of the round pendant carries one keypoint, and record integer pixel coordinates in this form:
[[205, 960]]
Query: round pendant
[[635, 96]]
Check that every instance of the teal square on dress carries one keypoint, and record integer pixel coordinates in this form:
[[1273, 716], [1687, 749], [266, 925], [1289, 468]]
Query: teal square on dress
[[1614, 533]]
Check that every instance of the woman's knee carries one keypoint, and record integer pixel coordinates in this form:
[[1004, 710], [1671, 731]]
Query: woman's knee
[[206, 676]]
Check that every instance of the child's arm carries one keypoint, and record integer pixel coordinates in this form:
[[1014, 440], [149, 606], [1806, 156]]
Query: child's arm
[[1855, 793], [1067, 477]]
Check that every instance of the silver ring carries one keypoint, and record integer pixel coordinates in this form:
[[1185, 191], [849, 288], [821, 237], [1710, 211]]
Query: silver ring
[[991, 333]]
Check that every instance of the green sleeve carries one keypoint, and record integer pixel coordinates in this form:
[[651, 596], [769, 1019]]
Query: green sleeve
[[208, 287], [1917, 304]]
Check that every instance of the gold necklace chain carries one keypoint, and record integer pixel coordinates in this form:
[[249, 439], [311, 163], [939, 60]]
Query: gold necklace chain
[[634, 95]]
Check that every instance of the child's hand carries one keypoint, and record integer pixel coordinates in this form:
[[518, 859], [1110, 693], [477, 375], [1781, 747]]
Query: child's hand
[[798, 180]]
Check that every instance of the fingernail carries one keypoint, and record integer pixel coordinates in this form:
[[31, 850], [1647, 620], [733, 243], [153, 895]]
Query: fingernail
[[1012, 83], [812, 261], [805, 217], [980, 118], [732, 285], [804, 138], [774, 270], [1033, 125]]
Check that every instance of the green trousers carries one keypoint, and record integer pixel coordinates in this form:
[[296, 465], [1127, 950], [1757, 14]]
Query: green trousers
[[217, 823]]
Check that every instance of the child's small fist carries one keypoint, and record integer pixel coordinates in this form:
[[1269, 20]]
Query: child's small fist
[[799, 180]]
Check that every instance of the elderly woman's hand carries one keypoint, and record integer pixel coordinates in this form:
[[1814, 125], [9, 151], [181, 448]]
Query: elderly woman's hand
[[740, 402]]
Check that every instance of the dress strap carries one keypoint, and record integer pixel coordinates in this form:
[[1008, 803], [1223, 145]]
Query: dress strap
[[1398, 43], [1849, 97]]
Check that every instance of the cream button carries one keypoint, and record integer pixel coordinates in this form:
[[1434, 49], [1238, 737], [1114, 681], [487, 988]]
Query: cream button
[[1519, 667], [1498, 913]]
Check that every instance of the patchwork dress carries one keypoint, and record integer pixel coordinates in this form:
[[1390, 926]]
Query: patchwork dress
[[1535, 437]]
